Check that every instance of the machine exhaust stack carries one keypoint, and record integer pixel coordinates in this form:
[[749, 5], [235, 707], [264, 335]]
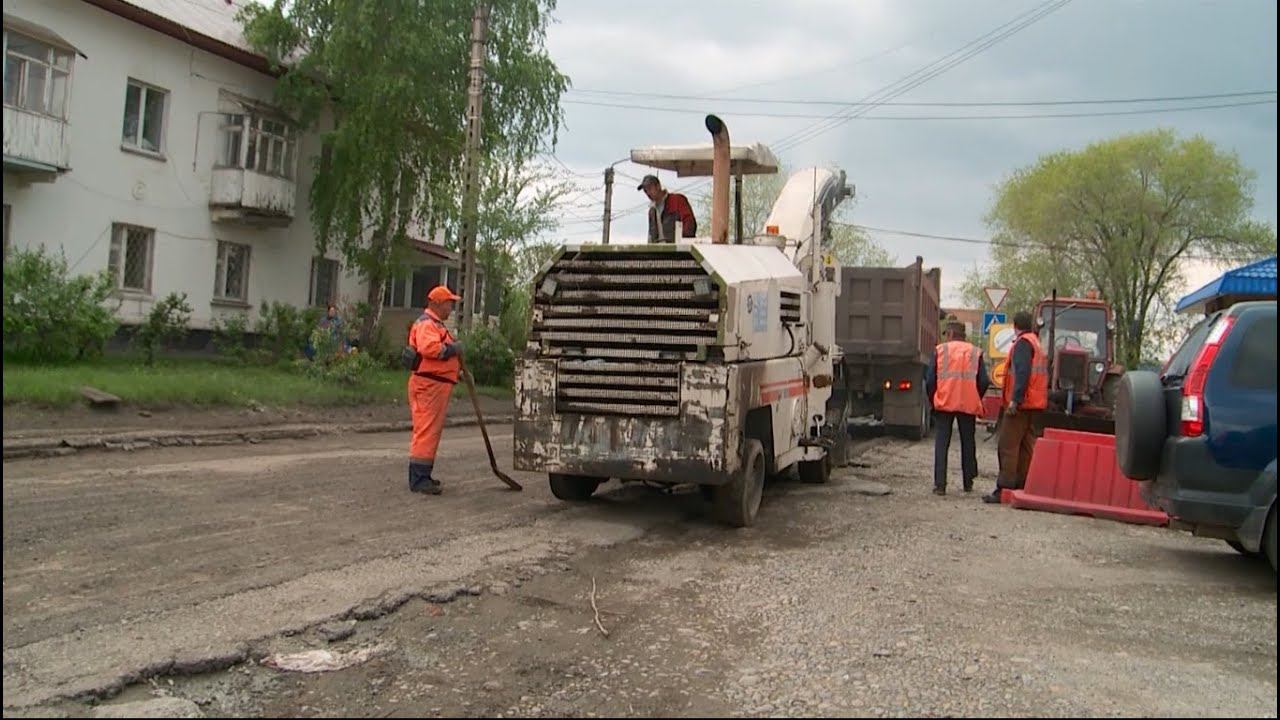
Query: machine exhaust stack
[[720, 161]]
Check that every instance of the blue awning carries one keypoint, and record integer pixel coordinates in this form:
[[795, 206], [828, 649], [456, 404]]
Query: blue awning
[[1257, 280]]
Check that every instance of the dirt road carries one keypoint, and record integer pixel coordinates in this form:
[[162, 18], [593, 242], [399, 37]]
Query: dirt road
[[173, 572]]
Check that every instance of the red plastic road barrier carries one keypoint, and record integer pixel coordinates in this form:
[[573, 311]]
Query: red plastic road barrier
[[1076, 473]]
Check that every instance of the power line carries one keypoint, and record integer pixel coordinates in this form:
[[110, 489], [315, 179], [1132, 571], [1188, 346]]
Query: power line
[[931, 71], [907, 82], [1004, 243], [854, 103], [1024, 116], [841, 65]]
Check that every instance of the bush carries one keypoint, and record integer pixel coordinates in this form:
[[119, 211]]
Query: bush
[[489, 357], [229, 335], [167, 324], [345, 369], [283, 331], [50, 315]]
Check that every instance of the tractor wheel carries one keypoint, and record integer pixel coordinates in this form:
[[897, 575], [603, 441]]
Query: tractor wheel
[[738, 501], [573, 488]]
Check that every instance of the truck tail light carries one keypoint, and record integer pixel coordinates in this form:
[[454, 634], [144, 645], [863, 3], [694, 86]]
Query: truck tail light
[[904, 384], [1193, 387]]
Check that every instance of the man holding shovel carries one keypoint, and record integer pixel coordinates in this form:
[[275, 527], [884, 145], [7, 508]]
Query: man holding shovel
[[431, 385]]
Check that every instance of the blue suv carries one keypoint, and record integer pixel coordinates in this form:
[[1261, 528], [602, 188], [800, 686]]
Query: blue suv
[[1203, 430]]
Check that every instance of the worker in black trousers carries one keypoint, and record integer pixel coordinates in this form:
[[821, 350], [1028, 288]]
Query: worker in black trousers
[[956, 381]]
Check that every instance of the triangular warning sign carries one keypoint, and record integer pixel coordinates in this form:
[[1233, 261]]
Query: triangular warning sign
[[996, 296]]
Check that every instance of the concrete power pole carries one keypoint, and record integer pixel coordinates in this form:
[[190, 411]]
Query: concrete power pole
[[471, 163]]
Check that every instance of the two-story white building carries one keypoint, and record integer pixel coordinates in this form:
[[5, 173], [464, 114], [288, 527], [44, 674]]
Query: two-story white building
[[140, 137]]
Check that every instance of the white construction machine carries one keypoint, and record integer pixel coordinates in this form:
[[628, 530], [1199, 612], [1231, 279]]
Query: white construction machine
[[703, 361]]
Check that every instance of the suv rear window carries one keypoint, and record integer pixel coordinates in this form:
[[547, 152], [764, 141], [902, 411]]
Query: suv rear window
[[1180, 363], [1254, 365]]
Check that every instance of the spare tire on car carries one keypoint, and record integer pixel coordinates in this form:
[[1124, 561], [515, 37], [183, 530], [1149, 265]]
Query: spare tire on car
[[1140, 425]]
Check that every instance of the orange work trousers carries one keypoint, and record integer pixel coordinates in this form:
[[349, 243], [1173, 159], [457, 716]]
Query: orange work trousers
[[428, 403]]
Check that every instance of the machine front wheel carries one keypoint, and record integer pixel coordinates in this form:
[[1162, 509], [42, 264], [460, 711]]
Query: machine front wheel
[[738, 501]]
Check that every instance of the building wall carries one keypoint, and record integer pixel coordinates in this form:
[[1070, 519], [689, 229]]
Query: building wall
[[74, 213]]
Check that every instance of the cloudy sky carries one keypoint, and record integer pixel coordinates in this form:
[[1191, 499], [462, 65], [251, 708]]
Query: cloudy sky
[[926, 176]]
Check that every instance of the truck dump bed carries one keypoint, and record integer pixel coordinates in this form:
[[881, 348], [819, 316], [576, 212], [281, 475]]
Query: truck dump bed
[[889, 313]]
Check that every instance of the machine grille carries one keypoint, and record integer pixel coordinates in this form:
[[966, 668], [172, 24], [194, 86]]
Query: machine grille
[[790, 312], [620, 324]]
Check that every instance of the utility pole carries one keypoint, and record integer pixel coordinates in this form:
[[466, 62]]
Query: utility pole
[[471, 162], [608, 201]]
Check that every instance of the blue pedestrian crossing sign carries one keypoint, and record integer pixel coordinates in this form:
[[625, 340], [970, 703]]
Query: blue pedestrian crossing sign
[[988, 318]]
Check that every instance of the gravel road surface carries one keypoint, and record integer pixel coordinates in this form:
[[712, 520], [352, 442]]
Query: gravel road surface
[[161, 582]]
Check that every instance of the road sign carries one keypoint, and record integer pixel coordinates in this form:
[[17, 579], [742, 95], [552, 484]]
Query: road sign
[[991, 318], [997, 374], [999, 340], [996, 296]]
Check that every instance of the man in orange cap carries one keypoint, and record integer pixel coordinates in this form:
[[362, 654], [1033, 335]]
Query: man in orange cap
[[431, 385]]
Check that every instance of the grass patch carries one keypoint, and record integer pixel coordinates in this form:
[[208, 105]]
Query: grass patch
[[198, 382]]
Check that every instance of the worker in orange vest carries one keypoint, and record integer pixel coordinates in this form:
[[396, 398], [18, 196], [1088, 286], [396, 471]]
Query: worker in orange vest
[[435, 372], [956, 381], [1025, 395]]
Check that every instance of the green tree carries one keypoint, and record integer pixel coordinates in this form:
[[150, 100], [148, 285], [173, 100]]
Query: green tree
[[852, 246], [384, 82], [1123, 216]]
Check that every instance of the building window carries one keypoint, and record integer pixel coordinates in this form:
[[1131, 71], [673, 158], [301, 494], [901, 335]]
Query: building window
[[324, 281], [231, 276], [394, 295], [258, 143], [144, 116], [132, 248], [37, 75]]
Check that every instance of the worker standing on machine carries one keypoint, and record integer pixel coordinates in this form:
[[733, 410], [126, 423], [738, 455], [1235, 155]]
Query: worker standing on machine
[[956, 381], [1025, 395], [666, 210], [435, 371]]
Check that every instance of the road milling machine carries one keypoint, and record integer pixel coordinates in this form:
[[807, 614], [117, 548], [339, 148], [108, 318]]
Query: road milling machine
[[707, 361]]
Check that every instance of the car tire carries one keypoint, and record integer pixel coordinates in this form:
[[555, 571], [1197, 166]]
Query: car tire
[[573, 488], [1269, 537], [1140, 425]]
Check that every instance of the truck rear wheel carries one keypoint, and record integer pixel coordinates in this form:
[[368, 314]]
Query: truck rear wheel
[[573, 488], [816, 472], [738, 501], [918, 432]]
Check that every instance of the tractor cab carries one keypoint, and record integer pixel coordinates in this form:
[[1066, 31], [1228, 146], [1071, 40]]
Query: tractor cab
[[1079, 335]]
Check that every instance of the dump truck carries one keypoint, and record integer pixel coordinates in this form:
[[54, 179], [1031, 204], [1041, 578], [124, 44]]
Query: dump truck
[[887, 329], [704, 361]]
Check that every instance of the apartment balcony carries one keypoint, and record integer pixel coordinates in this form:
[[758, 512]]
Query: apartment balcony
[[36, 146], [248, 197]]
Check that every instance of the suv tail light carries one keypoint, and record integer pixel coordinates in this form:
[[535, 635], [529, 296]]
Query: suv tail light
[[1198, 375]]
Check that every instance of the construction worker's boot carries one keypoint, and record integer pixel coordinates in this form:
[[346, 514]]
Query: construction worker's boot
[[994, 497], [420, 480]]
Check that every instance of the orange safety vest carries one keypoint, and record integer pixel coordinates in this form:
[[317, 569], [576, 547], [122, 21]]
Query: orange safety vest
[[1037, 397], [957, 389], [429, 336]]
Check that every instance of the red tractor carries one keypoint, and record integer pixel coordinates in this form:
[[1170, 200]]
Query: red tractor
[[1083, 374]]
